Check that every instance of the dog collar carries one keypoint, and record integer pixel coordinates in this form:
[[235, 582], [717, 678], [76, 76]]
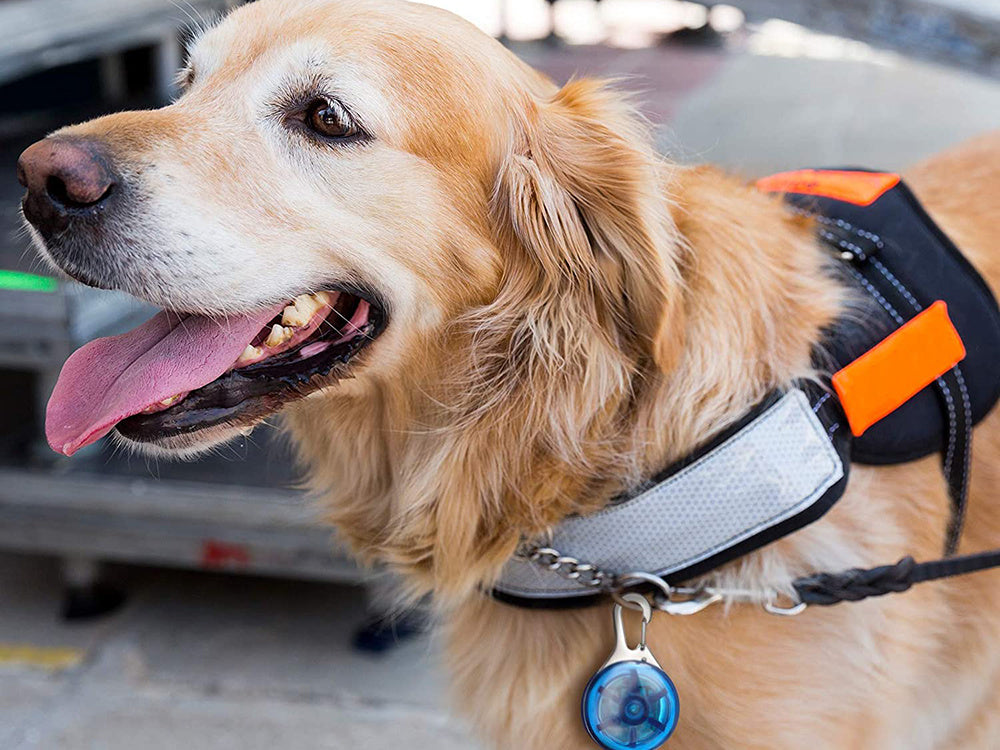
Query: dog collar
[[899, 394], [776, 471]]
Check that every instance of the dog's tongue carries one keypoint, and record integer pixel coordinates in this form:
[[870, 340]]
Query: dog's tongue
[[113, 378]]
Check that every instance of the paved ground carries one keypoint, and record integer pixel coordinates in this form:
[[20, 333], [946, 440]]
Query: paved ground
[[767, 113], [207, 661], [198, 661], [783, 97]]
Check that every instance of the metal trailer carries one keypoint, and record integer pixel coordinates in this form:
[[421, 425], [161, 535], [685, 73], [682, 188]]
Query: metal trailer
[[214, 515], [237, 511], [74, 31]]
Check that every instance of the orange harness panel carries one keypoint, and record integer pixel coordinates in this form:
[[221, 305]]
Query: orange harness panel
[[894, 370], [858, 188]]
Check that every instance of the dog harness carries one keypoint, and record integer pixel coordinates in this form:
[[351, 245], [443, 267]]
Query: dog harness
[[914, 368]]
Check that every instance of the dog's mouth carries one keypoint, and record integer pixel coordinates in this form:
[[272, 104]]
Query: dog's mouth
[[178, 374]]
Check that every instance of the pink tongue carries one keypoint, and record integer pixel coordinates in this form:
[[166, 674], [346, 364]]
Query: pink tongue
[[113, 378]]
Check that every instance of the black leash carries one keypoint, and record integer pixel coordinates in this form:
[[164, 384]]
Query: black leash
[[859, 583]]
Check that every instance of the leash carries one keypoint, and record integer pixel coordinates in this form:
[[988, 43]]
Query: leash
[[856, 584], [819, 589]]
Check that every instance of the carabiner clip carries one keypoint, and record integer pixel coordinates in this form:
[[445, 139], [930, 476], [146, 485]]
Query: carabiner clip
[[696, 601], [794, 607]]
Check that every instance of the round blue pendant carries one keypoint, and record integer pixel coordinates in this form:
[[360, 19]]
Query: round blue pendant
[[630, 705]]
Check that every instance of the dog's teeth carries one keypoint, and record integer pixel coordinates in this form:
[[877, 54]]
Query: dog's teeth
[[290, 316], [302, 309], [307, 303], [278, 335], [170, 400], [295, 315], [249, 354]]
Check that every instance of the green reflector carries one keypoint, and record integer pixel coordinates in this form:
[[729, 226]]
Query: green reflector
[[27, 282]]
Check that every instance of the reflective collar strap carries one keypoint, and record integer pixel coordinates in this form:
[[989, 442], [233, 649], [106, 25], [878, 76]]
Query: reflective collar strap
[[779, 469]]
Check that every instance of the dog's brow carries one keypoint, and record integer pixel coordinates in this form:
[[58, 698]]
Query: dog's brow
[[304, 66]]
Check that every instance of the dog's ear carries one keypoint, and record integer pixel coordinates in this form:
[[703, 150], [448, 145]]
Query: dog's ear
[[588, 306], [582, 196]]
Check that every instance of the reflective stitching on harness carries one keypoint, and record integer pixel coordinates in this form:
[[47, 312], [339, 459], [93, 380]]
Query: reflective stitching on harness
[[952, 418], [819, 404], [845, 244], [842, 224], [897, 284], [867, 235], [967, 408], [878, 296]]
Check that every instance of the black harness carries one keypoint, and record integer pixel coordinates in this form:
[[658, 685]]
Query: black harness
[[902, 260], [902, 263]]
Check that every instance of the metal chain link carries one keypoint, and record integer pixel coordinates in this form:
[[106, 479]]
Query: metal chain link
[[565, 566], [677, 600]]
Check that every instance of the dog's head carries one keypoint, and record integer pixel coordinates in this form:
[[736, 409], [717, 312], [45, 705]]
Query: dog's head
[[343, 186]]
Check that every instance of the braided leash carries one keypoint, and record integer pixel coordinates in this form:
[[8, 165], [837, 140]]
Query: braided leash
[[857, 584]]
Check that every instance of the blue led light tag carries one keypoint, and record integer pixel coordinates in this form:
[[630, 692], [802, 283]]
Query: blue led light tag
[[631, 703]]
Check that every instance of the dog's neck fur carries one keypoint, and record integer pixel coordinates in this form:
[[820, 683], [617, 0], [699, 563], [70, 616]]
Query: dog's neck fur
[[444, 495]]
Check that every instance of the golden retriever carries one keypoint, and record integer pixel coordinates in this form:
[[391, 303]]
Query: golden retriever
[[536, 311]]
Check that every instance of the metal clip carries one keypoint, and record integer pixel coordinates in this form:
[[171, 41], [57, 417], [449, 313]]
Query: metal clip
[[794, 607], [667, 598], [632, 579], [622, 650], [696, 600]]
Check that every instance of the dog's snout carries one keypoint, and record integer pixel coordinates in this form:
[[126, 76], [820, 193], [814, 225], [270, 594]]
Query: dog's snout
[[64, 177]]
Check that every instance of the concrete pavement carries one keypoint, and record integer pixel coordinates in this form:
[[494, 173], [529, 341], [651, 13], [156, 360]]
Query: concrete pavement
[[208, 661], [778, 96], [765, 113]]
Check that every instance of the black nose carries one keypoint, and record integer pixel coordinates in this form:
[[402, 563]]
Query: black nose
[[65, 178]]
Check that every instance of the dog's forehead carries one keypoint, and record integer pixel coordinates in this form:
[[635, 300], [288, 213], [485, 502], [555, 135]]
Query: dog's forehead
[[369, 35], [415, 75], [386, 59]]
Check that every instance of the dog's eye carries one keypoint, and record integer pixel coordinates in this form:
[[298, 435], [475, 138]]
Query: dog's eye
[[330, 119]]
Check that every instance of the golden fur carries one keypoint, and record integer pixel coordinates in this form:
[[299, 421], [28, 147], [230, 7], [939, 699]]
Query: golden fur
[[572, 313]]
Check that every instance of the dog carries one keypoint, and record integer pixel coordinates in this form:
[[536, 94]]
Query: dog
[[483, 303]]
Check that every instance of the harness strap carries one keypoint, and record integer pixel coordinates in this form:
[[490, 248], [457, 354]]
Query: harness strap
[[858, 583], [956, 459], [902, 306]]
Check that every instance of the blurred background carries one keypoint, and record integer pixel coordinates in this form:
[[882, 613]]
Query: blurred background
[[201, 605]]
